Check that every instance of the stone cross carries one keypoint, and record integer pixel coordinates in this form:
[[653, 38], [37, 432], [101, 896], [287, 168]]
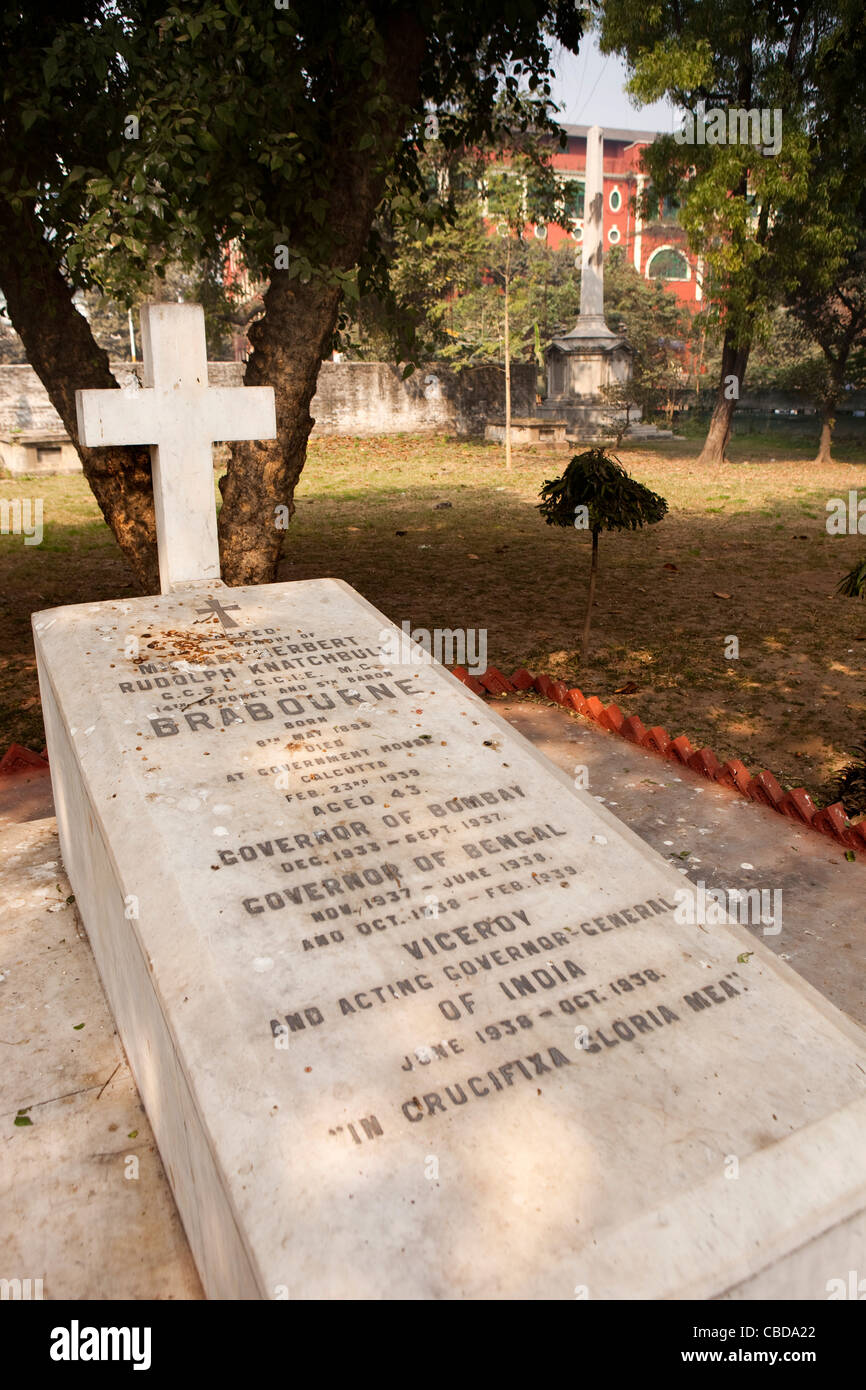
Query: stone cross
[[592, 263], [180, 417]]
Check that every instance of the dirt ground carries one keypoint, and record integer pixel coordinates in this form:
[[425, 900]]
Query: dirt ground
[[436, 532]]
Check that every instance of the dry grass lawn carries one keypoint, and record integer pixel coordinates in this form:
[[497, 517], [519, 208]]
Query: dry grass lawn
[[744, 552]]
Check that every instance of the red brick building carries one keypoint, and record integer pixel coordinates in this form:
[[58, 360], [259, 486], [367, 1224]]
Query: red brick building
[[655, 246]]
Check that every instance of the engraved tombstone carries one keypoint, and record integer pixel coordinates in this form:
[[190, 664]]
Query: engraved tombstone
[[411, 1015]]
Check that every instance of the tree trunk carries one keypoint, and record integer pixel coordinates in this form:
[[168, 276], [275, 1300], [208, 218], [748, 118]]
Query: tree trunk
[[593, 571], [288, 343], [837, 363], [824, 454], [507, 359], [734, 360], [65, 356], [735, 355], [291, 339]]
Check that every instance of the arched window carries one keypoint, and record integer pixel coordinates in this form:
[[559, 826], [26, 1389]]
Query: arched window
[[570, 199], [614, 200], [667, 263]]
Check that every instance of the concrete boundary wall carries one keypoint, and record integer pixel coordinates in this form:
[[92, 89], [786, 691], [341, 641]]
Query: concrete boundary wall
[[352, 398]]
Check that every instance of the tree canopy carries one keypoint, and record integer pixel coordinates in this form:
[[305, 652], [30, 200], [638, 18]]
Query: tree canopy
[[134, 136], [756, 212]]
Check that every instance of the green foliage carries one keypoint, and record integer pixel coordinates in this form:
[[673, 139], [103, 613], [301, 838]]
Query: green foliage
[[614, 500], [758, 221], [834, 320], [450, 264], [227, 312], [241, 115], [853, 585], [657, 329], [784, 358], [620, 398], [450, 280]]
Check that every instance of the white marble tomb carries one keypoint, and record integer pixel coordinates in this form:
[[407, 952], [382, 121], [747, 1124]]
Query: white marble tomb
[[355, 1099], [411, 1015]]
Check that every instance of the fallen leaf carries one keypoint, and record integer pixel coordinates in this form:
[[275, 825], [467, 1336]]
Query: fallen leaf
[[473, 557], [716, 594], [669, 566], [744, 958], [628, 689]]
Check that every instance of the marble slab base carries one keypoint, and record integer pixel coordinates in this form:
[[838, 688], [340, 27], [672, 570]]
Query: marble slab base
[[412, 1016]]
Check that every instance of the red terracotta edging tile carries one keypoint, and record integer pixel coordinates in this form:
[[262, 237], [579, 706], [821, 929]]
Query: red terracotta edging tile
[[18, 759], [763, 788]]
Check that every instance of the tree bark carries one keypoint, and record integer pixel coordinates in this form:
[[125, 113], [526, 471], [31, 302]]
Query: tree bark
[[291, 339], [593, 572], [65, 356], [837, 363], [508, 360], [734, 360], [824, 454], [288, 343]]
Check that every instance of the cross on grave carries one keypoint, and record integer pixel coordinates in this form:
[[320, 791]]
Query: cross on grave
[[221, 610], [180, 417]]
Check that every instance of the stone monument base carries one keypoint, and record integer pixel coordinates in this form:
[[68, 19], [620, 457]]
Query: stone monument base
[[540, 429]]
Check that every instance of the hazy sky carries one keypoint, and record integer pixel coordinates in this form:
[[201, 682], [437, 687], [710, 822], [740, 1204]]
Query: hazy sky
[[590, 89]]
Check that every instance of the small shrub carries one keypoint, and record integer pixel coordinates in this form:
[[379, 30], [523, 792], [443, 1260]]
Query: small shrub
[[850, 785], [854, 583], [596, 494]]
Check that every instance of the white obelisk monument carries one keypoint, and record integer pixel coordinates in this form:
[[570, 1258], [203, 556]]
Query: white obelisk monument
[[590, 357]]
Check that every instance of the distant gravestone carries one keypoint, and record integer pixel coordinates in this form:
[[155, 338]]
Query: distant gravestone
[[411, 1016]]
